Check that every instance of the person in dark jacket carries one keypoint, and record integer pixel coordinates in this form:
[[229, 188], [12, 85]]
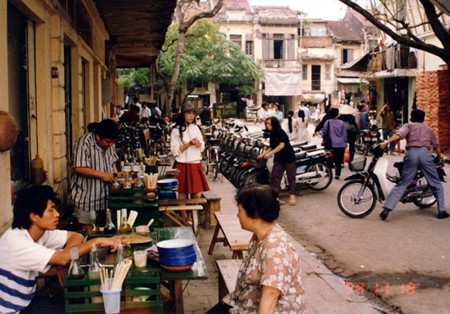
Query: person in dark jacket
[[352, 132], [334, 128], [284, 158]]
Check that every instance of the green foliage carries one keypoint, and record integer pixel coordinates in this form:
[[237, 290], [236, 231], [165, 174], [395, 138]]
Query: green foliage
[[208, 57], [128, 77]]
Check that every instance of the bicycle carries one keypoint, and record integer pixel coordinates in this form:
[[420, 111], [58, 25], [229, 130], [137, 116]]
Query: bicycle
[[212, 157]]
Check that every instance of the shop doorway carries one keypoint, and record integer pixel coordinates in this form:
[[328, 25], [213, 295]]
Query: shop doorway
[[396, 95], [21, 49]]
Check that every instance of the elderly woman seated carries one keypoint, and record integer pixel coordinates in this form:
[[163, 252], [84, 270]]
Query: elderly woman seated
[[269, 278]]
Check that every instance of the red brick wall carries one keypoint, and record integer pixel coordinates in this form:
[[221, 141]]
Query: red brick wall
[[433, 97]]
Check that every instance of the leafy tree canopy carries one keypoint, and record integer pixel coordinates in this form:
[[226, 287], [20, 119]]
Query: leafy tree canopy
[[208, 57], [129, 77]]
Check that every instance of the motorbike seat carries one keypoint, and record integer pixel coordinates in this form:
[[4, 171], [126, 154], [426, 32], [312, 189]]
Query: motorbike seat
[[213, 141], [398, 164], [300, 155]]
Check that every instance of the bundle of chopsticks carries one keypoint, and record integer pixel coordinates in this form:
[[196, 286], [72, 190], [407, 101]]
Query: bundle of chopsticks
[[150, 180], [114, 282]]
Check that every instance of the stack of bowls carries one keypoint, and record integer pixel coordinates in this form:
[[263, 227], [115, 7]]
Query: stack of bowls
[[166, 188], [176, 254]]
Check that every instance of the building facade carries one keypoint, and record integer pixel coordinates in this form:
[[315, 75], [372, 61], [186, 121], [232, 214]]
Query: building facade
[[57, 74]]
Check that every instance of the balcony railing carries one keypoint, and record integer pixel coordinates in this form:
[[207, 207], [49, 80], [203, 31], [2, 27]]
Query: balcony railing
[[280, 63]]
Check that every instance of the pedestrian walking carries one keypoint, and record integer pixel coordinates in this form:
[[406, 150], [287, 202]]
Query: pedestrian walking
[[290, 126], [336, 131], [302, 130], [388, 125]]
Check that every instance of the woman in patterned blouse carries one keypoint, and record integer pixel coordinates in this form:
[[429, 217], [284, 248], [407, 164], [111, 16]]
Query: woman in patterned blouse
[[269, 278]]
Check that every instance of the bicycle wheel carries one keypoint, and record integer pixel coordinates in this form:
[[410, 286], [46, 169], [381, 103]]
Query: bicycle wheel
[[356, 200], [323, 178]]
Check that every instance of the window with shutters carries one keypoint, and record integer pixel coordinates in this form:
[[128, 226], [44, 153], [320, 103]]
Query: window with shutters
[[249, 47], [327, 72], [304, 72], [278, 51], [315, 77], [237, 39], [347, 55]]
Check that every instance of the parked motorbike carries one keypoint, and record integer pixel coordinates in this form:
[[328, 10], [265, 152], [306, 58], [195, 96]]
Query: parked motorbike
[[357, 197], [366, 140], [313, 170]]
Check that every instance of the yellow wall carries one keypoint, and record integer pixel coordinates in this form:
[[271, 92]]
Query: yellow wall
[[52, 32], [5, 185]]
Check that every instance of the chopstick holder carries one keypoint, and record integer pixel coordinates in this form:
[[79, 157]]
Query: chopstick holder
[[132, 218]]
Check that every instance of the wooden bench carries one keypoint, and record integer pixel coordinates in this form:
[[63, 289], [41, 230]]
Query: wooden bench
[[170, 208], [212, 205], [228, 271], [234, 236]]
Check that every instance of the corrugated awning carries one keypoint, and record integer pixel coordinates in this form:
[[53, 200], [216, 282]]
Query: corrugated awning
[[351, 80]]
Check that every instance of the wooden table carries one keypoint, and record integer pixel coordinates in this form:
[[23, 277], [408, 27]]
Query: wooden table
[[175, 279], [235, 237], [151, 276]]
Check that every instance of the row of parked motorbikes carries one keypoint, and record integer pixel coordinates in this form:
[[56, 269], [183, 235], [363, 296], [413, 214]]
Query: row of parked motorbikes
[[237, 151]]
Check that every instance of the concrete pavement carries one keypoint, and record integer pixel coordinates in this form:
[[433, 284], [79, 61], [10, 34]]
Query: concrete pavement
[[325, 292]]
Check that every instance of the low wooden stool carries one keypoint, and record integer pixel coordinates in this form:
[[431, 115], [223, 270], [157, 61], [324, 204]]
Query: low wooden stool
[[170, 208], [212, 205], [228, 271], [234, 236]]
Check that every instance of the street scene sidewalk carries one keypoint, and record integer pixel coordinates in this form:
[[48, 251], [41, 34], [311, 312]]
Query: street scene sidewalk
[[325, 291]]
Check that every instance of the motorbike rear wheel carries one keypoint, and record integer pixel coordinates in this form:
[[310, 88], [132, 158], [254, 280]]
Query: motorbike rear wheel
[[351, 205], [427, 201], [325, 172]]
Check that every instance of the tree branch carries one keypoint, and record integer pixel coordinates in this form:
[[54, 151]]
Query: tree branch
[[414, 42], [441, 33], [202, 15]]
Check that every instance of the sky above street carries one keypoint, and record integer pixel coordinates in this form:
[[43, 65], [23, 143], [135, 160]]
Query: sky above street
[[324, 9]]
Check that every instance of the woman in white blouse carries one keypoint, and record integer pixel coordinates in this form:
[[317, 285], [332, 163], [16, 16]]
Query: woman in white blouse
[[187, 144]]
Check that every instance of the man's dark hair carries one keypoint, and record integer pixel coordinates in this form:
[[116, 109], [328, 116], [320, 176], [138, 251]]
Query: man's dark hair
[[107, 129], [417, 115], [259, 201], [91, 126], [31, 200], [334, 112]]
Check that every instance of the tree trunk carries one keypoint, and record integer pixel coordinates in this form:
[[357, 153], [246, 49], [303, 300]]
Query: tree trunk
[[176, 71]]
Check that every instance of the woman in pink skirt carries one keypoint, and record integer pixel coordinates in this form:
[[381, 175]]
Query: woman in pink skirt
[[187, 144]]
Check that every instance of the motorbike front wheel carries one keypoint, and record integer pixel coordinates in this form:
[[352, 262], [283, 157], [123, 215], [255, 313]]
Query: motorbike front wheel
[[325, 174], [256, 178], [356, 200]]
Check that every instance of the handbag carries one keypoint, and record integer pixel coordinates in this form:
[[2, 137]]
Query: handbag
[[327, 144]]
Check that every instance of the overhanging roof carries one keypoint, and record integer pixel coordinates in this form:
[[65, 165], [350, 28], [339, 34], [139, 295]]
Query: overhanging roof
[[137, 28], [358, 65]]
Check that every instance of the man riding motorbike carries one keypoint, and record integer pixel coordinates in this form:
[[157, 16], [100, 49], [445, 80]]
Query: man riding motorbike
[[420, 139]]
